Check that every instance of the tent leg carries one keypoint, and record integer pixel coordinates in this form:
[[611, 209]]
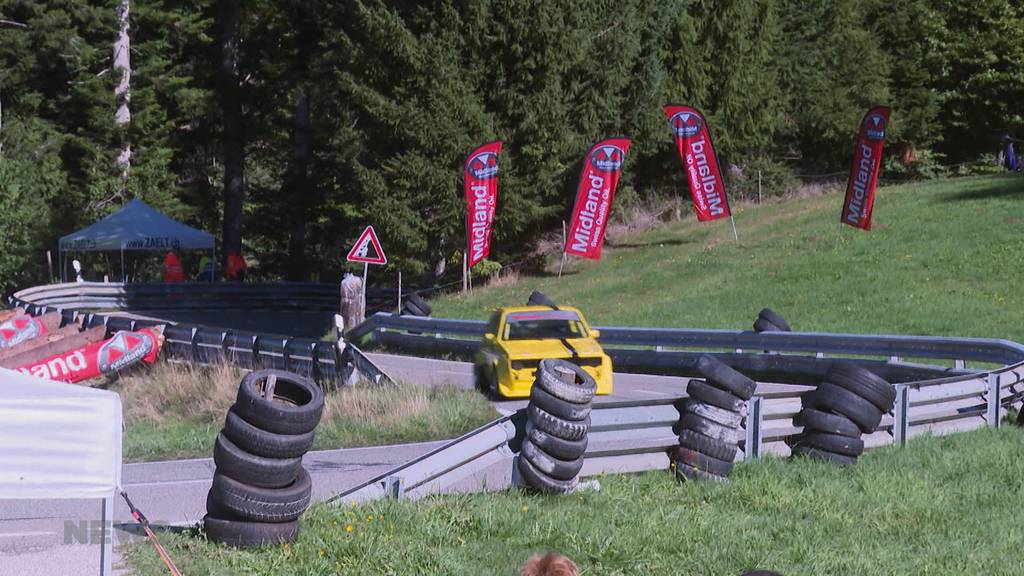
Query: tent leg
[[107, 539], [124, 275]]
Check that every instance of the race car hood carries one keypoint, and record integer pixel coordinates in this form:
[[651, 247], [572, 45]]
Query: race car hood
[[520, 349]]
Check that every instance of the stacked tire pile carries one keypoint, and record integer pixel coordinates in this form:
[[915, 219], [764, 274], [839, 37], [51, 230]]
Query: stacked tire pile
[[414, 305], [770, 321], [709, 426], [849, 403], [260, 487], [558, 419]]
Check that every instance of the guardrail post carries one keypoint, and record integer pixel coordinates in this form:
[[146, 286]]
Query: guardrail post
[[395, 487], [755, 424], [894, 359], [255, 352], [994, 404], [194, 345], [132, 325], [959, 364], [224, 347], [315, 361], [286, 357], [901, 416]]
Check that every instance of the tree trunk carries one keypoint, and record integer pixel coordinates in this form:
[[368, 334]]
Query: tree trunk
[[234, 152], [122, 92], [296, 188]]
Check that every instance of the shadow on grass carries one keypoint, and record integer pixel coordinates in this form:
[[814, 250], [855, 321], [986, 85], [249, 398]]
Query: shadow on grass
[[669, 242], [1009, 185]]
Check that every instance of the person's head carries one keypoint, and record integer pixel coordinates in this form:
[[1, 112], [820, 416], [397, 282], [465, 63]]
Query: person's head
[[550, 564]]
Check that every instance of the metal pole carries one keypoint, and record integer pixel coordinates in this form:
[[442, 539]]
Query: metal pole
[[49, 264], [758, 186], [366, 271], [562, 263], [399, 291], [107, 537], [124, 276], [465, 282], [733, 222]]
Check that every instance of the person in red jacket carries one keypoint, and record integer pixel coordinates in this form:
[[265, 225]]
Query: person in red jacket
[[235, 270], [172, 268]]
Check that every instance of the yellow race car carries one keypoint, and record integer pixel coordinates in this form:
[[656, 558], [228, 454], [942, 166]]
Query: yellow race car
[[518, 338]]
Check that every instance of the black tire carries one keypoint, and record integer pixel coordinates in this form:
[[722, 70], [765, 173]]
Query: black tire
[[720, 375], [841, 401], [707, 445], [863, 383], [827, 422], [817, 454], [775, 318], [844, 445], [558, 407], [240, 465], [762, 325], [681, 455], [542, 482], [259, 442], [295, 408], [580, 391], [701, 425], [412, 309], [713, 413], [704, 392], [554, 467], [242, 534], [416, 300], [557, 427], [262, 504], [557, 447], [485, 381], [537, 298], [685, 473]]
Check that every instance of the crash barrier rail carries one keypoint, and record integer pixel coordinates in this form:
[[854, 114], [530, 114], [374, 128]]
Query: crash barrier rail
[[634, 436], [322, 361], [303, 296], [794, 357]]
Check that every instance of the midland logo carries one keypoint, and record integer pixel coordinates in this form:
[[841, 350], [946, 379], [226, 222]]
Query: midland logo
[[874, 127], [607, 158], [123, 349], [685, 124], [18, 330], [483, 166]]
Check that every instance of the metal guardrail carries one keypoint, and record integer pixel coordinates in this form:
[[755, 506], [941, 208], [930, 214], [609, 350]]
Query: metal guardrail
[[634, 436], [806, 359], [304, 296], [319, 360]]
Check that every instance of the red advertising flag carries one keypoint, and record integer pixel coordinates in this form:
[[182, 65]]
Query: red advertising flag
[[480, 178], [867, 157], [601, 170], [697, 152], [112, 355]]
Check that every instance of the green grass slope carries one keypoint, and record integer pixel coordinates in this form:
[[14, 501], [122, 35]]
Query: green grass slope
[[944, 258]]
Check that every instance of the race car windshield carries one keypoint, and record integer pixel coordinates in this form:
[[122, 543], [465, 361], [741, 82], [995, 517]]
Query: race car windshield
[[543, 326]]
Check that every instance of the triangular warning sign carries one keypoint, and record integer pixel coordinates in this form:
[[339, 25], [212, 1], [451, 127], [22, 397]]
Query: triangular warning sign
[[367, 249]]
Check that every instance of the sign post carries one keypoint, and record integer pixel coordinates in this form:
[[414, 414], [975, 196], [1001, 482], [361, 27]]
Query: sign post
[[361, 252]]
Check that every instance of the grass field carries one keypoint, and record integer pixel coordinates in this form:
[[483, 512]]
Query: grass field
[[944, 505], [176, 411], [944, 258]]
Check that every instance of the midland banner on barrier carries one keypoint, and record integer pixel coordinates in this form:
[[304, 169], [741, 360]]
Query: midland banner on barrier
[[122, 350], [867, 157], [601, 170], [693, 142], [480, 177]]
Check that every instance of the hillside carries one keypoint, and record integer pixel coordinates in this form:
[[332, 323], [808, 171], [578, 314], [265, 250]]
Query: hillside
[[945, 258]]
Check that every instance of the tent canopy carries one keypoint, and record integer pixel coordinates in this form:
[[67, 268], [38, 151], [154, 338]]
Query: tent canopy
[[59, 440], [137, 226]]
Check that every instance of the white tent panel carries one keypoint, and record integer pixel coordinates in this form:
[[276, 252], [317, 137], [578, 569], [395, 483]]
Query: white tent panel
[[59, 440], [137, 226]]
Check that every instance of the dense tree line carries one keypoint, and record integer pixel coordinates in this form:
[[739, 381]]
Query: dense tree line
[[289, 125]]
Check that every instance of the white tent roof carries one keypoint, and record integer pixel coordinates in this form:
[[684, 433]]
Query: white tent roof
[[137, 226], [59, 440]]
